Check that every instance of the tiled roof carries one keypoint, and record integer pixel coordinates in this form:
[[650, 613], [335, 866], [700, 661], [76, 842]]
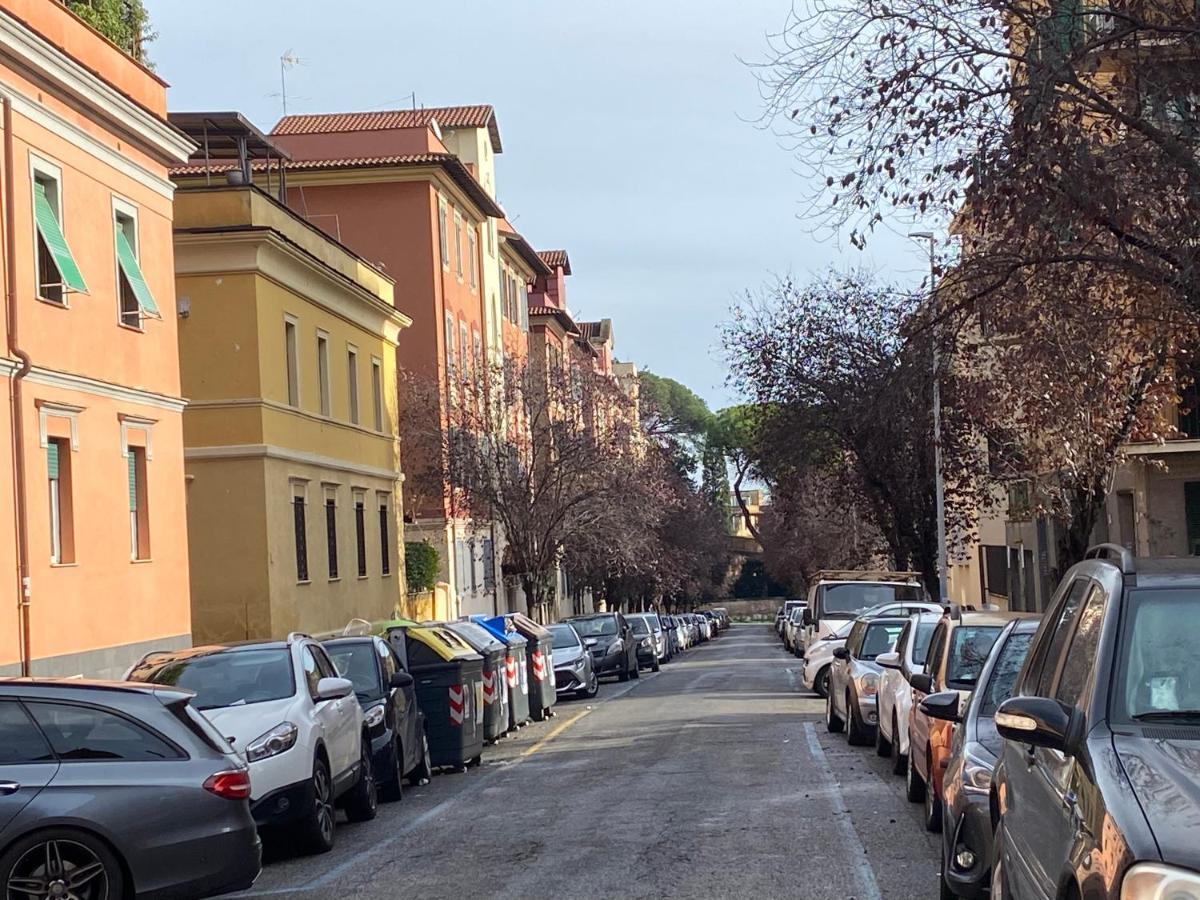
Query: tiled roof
[[523, 249], [555, 259], [453, 165], [480, 116], [596, 331], [560, 315]]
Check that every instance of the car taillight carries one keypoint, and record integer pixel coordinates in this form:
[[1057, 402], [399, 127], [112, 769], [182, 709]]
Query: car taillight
[[231, 785]]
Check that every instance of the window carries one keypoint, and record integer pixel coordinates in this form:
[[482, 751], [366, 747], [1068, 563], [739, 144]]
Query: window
[[300, 528], [387, 659], [464, 349], [21, 741], [969, 649], [323, 372], [331, 547], [1072, 684], [443, 234], [352, 381], [854, 639], [83, 733], [377, 392], [139, 518], [292, 354], [58, 472], [473, 250], [385, 548], [523, 307], [57, 271], [360, 532], [471, 563], [505, 304], [312, 672], [937, 645], [450, 360], [489, 565], [136, 301], [1057, 637], [458, 249]]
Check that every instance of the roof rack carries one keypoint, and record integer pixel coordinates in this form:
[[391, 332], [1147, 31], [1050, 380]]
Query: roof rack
[[298, 636], [1123, 556]]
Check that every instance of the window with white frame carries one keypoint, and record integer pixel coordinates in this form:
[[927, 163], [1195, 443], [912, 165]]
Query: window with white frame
[[443, 233], [56, 269], [58, 472], [377, 392], [458, 247], [323, 372], [133, 294], [352, 380], [473, 251]]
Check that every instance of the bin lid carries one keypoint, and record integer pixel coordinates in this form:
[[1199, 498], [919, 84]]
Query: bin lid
[[495, 625], [446, 644], [385, 627], [528, 627], [477, 636]]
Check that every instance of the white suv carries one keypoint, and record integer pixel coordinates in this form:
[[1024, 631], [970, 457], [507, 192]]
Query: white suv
[[284, 706]]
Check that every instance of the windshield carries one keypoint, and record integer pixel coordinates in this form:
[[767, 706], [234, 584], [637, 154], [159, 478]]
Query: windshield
[[848, 600], [228, 678], [1157, 659], [564, 636], [640, 627], [1004, 674], [600, 625], [797, 615], [969, 649], [880, 638], [920, 650], [357, 662]]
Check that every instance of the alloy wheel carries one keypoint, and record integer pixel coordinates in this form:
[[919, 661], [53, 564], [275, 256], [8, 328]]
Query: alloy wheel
[[59, 870], [323, 796]]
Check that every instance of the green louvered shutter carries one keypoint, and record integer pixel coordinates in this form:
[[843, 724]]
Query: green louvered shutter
[[52, 459], [132, 482], [129, 266], [56, 241]]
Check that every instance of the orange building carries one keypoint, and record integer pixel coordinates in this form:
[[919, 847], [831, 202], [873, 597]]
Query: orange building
[[93, 545]]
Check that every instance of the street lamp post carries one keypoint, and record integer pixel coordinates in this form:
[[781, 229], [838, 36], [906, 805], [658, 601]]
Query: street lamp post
[[939, 483]]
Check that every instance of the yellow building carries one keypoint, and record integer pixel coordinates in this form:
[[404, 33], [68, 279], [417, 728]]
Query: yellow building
[[288, 358]]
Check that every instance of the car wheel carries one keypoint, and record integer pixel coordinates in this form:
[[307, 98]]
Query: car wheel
[[624, 676], [899, 760], [883, 747], [61, 862], [821, 685], [420, 775], [933, 803], [914, 787], [945, 892], [858, 732], [393, 789], [833, 724], [999, 882], [594, 689], [362, 801], [316, 829]]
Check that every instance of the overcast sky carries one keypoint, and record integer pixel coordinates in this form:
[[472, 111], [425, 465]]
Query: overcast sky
[[627, 126]]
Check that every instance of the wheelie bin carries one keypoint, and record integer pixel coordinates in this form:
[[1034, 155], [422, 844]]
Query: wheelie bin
[[516, 674], [449, 682], [542, 692], [495, 684]]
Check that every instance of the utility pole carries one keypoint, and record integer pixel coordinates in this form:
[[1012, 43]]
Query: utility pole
[[940, 486]]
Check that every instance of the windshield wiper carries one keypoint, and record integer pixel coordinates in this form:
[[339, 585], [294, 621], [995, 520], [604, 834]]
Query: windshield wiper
[[1168, 714]]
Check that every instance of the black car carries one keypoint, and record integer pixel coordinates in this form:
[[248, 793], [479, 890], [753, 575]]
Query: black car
[[611, 642], [391, 714], [967, 782], [114, 790], [1097, 792]]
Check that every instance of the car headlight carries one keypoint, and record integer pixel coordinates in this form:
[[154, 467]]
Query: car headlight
[[1154, 881], [977, 768], [645, 643], [578, 664], [374, 717], [868, 685], [278, 740], [616, 646]]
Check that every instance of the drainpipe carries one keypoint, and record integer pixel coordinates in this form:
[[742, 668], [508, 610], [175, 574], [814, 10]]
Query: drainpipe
[[18, 415]]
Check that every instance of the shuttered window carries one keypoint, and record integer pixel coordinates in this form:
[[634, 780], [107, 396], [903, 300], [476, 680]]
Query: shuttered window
[[360, 534], [385, 549], [136, 300], [139, 518], [331, 536], [62, 271], [301, 532]]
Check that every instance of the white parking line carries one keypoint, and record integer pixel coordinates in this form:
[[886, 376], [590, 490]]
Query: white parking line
[[868, 889]]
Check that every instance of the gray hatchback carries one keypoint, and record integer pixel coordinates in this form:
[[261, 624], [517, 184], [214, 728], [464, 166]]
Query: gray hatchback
[[111, 790]]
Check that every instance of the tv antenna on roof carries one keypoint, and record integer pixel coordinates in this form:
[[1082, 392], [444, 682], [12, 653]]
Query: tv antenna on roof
[[289, 60]]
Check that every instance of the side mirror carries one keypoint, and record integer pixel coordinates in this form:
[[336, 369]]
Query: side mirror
[[334, 688], [921, 682], [402, 680], [806, 618], [1040, 721], [841, 653], [942, 706], [888, 660]]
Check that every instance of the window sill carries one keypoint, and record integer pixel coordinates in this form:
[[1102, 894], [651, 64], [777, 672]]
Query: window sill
[[134, 328], [307, 581], [141, 561], [57, 304], [363, 578], [336, 579], [64, 565]]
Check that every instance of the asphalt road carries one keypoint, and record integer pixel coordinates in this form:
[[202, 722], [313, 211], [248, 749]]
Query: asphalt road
[[713, 778]]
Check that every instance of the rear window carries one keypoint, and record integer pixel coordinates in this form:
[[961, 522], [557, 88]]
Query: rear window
[[595, 627], [921, 641], [969, 649], [639, 626], [228, 678], [853, 598], [564, 637], [879, 639], [89, 734]]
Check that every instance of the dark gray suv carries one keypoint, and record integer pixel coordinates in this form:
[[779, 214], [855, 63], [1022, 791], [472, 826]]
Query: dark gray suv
[[93, 779]]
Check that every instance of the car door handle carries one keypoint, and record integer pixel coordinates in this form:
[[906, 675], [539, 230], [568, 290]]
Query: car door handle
[[8, 787]]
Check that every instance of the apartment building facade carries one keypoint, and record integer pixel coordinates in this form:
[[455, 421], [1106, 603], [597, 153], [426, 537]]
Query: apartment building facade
[[92, 544]]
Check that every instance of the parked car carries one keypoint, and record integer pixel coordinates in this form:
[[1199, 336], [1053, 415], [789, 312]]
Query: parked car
[[1096, 790], [966, 785], [646, 640], [94, 777], [791, 630], [284, 706], [815, 675], [843, 596], [779, 620], [573, 670], [958, 649], [672, 636], [895, 694], [722, 616], [391, 714], [610, 640], [854, 678]]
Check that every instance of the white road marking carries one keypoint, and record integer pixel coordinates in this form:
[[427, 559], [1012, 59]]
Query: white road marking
[[868, 889]]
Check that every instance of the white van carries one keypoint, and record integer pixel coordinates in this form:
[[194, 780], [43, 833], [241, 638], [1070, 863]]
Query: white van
[[836, 597]]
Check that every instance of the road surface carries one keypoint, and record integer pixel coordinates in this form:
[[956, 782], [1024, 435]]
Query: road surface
[[713, 778]]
